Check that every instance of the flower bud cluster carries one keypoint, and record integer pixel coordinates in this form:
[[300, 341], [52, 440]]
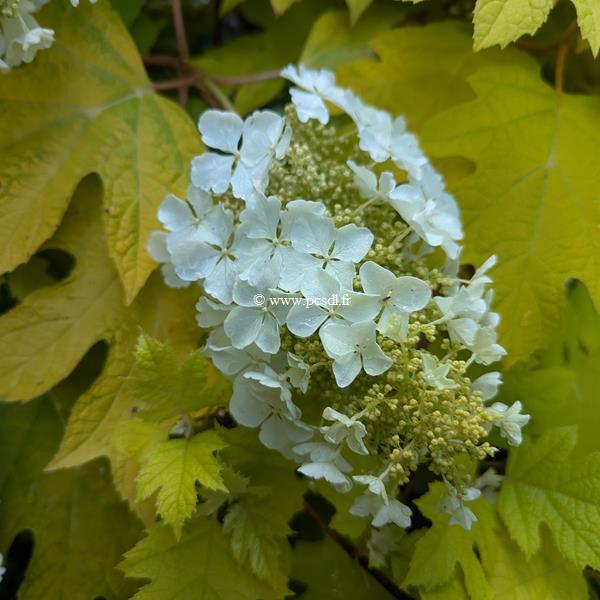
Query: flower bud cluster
[[286, 212]]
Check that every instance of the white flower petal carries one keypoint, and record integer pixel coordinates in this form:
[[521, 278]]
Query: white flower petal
[[221, 129], [242, 325], [352, 243], [346, 368], [303, 321], [157, 247], [212, 172]]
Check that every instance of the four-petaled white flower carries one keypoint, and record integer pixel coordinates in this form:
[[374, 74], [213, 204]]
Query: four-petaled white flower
[[375, 484], [429, 210], [487, 384], [510, 421], [434, 373], [382, 512], [314, 88], [335, 250], [261, 246], [263, 399], [157, 249], [325, 462], [397, 296], [353, 347], [452, 502], [345, 429], [252, 322], [246, 151], [21, 36], [230, 360], [368, 186], [298, 372], [324, 304]]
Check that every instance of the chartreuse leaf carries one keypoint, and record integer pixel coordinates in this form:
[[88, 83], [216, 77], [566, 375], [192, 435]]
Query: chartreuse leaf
[[588, 18], [167, 385], [546, 484], [50, 331], [502, 22], [173, 467], [440, 551], [532, 199], [491, 566], [54, 327], [199, 566], [559, 384], [99, 114], [418, 71], [325, 566], [80, 528]]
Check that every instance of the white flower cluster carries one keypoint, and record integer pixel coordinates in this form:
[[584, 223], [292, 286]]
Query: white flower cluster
[[259, 259], [21, 36]]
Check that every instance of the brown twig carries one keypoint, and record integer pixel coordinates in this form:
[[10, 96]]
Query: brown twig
[[178, 83], [355, 555], [561, 56], [559, 70], [182, 45], [161, 60]]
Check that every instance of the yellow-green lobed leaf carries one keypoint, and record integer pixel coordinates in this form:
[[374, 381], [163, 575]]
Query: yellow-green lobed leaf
[[172, 467], [84, 106], [533, 197], [200, 566]]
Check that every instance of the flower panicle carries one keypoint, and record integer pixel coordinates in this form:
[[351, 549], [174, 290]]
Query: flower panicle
[[328, 251]]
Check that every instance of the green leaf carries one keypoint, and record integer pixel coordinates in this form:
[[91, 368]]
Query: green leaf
[[258, 518], [266, 469], [558, 385], [333, 41], [545, 484], [325, 565], [357, 8], [172, 467], [79, 526], [280, 6], [128, 9], [504, 22], [418, 71], [532, 198], [200, 566], [169, 386], [259, 531], [145, 31], [97, 114]]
